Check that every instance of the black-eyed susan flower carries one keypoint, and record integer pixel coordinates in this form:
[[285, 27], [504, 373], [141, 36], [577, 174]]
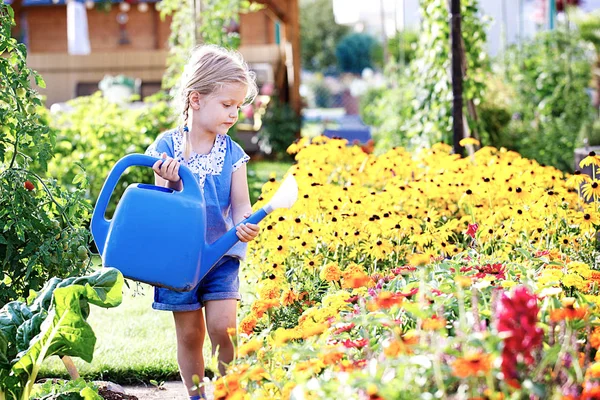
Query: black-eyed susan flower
[[591, 159], [577, 179], [591, 189]]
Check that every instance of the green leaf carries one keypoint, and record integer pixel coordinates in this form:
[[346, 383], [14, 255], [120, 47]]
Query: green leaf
[[55, 324], [89, 394], [39, 80]]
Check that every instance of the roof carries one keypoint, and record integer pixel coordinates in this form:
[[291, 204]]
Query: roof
[[31, 3]]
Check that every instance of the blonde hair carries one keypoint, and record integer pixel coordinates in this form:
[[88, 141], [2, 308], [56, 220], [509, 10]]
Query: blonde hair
[[209, 68]]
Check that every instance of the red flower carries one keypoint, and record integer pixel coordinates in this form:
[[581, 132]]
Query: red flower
[[517, 316], [344, 328], [472, 230], [560, 4], [404, 270], [496, 269], [28, 185], [357, 343]]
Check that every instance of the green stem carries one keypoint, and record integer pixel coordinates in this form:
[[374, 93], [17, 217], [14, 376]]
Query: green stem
[[22, 112], [41, 357]]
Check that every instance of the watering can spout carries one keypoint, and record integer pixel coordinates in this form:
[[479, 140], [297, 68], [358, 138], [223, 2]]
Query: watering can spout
[[285, 197]]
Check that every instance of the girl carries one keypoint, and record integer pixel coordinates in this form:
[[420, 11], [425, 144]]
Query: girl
[[214, 85]]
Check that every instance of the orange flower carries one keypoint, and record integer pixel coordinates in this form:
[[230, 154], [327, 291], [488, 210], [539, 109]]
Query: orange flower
[[288, 297], [472, 364], [226, 386], [434, 323], [595, 338], [258, 374], [385, 300], [568, 311], [357, 280], [330, 272], [396, 347], [248, 324], [331, 357]]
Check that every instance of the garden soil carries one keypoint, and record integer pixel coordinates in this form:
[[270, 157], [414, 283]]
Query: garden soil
[[171, 390]]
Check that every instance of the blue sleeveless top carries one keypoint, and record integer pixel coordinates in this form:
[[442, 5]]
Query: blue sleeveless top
[[213, 172]]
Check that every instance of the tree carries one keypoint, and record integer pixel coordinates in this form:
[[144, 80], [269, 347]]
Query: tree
[[320, 34], [356, 52]]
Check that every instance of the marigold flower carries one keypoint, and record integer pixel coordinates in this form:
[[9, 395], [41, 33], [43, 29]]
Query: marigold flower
[[330, 272], [595, 338], [248, 324], [288, 297], [312, 330]]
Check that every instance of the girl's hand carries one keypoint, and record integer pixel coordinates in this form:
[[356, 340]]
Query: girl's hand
[[247, 232], [167, 168]]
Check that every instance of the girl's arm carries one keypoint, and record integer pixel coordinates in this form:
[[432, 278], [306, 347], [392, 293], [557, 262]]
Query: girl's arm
[[240, 205]]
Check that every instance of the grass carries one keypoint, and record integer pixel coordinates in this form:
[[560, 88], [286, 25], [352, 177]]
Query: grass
[[136, 343], [260, 171]]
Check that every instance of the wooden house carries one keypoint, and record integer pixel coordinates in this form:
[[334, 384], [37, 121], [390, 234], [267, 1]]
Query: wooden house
[[138, 47]]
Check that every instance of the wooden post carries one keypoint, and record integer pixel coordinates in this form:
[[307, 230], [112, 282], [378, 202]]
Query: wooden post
[[293, 36], [70, 366], [457, 77]]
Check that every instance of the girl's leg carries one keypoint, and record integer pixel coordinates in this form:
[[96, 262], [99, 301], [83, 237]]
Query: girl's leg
[[190, 330], [221, 315]]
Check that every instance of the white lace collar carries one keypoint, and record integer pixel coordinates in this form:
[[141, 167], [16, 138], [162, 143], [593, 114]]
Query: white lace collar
[[202, 164]]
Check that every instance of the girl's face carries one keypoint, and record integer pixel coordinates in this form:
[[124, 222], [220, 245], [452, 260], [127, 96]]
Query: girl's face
[[217, 112]]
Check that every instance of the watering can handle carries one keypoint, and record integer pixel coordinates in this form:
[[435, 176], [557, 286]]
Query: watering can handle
[[99, 224]]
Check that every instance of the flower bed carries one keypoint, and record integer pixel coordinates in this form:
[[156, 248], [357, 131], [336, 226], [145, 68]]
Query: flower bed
[[427, 275]]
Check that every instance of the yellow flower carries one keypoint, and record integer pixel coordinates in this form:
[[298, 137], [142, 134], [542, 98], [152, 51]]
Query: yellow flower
[[591, 159], [462, 281], [574, 181], [249, 347], [591, 189], [417, 260], [574, 280], [469, 141], [580, 268]]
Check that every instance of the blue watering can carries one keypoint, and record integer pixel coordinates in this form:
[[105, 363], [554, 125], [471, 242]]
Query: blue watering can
[[157, 235]]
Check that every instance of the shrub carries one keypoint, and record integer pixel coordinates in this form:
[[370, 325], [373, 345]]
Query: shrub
[[280, 128], [550, 75], [99, 133]]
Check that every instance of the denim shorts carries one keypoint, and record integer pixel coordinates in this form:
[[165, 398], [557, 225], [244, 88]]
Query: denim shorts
[[222, 282]]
